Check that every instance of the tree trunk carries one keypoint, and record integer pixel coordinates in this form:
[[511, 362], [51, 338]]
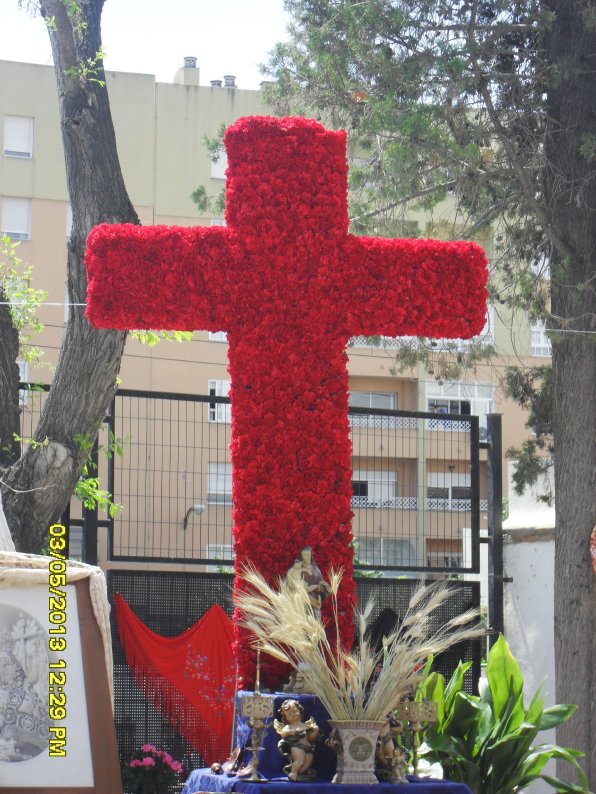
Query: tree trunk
[[9, 387], [40, 484], [570, 193]]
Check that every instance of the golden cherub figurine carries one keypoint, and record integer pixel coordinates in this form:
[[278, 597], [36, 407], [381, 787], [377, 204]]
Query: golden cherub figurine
[[391, 760], [297, 742]]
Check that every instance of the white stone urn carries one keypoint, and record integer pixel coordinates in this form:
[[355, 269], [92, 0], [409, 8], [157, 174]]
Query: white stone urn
[[357, 741]]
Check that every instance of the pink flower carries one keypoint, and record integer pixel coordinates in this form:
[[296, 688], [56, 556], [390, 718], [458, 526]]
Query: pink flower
[[148, 748], [148, 761]]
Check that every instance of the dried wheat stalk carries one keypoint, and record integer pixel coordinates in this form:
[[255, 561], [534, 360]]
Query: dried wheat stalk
[[285, 626]]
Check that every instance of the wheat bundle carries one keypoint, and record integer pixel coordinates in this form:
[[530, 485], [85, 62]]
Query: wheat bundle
[[358, 684]]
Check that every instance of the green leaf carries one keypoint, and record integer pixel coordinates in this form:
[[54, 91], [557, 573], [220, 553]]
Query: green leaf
[[455, 684], [504, 677], [536, 708], [433, 688], [507, 754], [466, 710], [562, 786], [555, 715]]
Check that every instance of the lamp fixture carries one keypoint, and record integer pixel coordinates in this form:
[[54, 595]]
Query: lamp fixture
[[197, 509]]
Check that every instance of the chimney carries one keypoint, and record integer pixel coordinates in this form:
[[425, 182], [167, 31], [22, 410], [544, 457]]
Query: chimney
[[187, 74], [216, 83], [229, 80]]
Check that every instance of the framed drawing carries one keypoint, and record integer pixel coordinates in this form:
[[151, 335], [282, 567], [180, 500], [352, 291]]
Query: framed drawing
[[56, 725]]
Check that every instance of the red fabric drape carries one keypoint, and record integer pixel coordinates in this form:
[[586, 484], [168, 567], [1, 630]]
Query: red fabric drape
[[189, 678]]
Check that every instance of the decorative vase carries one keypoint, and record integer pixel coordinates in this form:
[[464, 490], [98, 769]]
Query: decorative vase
[[356, 744]]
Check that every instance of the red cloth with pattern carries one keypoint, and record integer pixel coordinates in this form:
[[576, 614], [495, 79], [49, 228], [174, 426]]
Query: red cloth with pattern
[[189, 678]]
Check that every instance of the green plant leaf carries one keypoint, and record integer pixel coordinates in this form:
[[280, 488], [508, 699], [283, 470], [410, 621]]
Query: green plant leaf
[[504, 677], [562, 786], [433, 688], [506, 758], [455, 684], [534, 764], [466, 710], [555, 715], [536, 708]]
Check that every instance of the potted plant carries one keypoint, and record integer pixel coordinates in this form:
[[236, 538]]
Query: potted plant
[[359, 686], [488, 742], [150, 771]]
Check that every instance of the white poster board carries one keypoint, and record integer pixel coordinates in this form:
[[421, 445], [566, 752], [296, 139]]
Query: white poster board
[[42, 692]]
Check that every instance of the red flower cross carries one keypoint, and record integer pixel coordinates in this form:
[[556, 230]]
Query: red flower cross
[[290, 286]]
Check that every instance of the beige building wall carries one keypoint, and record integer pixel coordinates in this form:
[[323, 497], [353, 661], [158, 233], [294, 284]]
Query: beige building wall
[[160, 130]]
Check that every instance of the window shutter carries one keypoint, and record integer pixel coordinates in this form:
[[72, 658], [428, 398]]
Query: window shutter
[[18, 136], [15, 220]]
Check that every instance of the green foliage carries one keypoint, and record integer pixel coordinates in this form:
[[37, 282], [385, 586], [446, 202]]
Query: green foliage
[[88, 70], [215, 145], [151, 338], [532, 389], [488, 742], [24, 300], [34, 443], [88, 489], [200, 198], [444, 103]]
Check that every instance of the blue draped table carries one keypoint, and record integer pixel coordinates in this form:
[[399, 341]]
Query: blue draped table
[[203, 780], [325, 760]]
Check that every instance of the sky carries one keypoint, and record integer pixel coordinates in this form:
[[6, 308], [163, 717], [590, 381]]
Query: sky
[[230, 37]]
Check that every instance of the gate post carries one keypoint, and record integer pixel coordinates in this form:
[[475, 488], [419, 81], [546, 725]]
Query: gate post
[[495, 526]]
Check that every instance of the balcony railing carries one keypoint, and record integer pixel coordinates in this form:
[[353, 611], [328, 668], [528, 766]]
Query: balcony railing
[[376, 422], [448, 425], [411, 503], [393, 503]]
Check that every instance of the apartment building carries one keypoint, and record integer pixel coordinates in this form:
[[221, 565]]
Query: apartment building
[[411, 489]]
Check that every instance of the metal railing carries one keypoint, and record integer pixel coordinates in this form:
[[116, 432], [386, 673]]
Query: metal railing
[[173, 477]]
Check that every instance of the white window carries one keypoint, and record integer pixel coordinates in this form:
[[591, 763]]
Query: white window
[[370, 399], [449, 491], [444, 559], [18, 136], [541, 345], [385, 551], [218, 336], [219, 412], [374, 488], [219, 166], [219, 551], [15, 219], [218, 221], [475, 399], [219, 483], [367, 399]]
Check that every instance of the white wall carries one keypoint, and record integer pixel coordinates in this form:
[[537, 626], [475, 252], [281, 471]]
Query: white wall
[[529, 551]]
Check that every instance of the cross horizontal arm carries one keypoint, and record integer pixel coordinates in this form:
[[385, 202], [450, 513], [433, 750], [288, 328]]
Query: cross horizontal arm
[[158, 277], [415, 287]]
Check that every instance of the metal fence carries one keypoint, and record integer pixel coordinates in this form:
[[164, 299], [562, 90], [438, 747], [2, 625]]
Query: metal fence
[[419, 484]]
